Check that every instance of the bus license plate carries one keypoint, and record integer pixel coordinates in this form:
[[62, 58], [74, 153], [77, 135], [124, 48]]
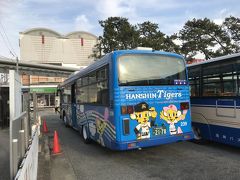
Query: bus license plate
[[159, 131]]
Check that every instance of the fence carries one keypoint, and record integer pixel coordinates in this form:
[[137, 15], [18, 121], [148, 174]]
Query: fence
[[19, 141], [29, 165]]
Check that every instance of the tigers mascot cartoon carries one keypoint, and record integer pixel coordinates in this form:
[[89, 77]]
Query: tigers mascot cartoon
[[142, 113]]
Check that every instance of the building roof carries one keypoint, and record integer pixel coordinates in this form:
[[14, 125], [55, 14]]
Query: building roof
[[36, 69], [29, 31], [80, 33], [33, 31]]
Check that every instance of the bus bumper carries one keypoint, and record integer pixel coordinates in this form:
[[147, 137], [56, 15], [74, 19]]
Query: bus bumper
[[151, 142]]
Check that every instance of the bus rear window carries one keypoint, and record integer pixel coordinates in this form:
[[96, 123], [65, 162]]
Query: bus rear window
[[144, 69]]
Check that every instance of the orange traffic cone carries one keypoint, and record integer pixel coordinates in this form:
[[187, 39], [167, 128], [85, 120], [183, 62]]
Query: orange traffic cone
[[56, 146], [45, 128]]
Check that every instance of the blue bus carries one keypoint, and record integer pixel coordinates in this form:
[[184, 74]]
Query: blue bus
[[215, 100], [129, 99]]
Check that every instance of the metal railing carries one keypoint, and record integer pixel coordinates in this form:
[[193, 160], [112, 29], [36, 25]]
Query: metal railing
[[19, 141], [29, 165]]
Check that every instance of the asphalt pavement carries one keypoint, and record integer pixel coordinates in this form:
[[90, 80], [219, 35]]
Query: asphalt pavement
[[183, 160]]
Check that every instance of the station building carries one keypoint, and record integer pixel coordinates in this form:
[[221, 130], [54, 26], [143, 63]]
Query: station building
[[46, 46]]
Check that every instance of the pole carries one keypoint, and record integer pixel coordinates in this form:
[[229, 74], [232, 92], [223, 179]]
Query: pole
[[34, 107], [21, 143], [15, 158], [17, 64], [26, 129]]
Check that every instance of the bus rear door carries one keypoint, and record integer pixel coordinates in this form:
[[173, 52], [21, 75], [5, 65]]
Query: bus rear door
[[73, 104]]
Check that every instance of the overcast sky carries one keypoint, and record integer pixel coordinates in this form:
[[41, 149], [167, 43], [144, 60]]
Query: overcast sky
[[65, 16]]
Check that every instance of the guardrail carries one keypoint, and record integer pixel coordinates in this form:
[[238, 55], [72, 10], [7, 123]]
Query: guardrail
[[19, 141]]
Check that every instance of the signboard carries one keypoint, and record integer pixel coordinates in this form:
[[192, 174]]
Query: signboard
[[4, 79], [44, 90]]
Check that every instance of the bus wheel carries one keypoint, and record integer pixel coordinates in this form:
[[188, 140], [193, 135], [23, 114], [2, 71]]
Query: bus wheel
[[197, 135], [85, 135]]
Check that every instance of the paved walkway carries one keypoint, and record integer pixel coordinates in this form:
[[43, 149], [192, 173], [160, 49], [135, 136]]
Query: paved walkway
[[58, 166], [4, 154]]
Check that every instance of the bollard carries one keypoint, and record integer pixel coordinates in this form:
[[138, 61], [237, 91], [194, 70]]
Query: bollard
[[21, 143], [15, 156], [39, 120], [26, 130], [34, 107]]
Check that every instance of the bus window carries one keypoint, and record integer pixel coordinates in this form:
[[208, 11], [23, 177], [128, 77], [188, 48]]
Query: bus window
[[67, 95], [92, 93], [102, 93], [211, 86], [229, 79], [83, 96], [230, 85], [161, 70], [194, 84], [84, 81], [211, 89], [93, 88], [102, 74], [194, 80], [92, 78], [102, 86], [211, 80]]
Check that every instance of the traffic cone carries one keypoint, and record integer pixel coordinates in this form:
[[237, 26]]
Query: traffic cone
[[45, 128], [56, 146]]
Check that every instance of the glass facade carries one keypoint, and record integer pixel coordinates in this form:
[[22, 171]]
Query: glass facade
[[46, 97]]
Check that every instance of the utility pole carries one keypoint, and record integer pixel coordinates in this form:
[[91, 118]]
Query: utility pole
[[17, 64]]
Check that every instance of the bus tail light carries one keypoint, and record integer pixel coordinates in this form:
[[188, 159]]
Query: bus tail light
[[127, 109], [130, 109], [124, 109], [126, 128], [184, 105]]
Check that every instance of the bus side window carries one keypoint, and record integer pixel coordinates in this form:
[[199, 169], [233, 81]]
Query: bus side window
[[103, 93], [102, 86], [103, 97]]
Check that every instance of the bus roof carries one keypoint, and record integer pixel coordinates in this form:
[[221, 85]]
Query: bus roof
[[105, 59], [221, 58], [142, 51]]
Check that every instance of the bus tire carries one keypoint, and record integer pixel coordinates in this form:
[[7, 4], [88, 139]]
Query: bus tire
[[197, 136], [85, 135]]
